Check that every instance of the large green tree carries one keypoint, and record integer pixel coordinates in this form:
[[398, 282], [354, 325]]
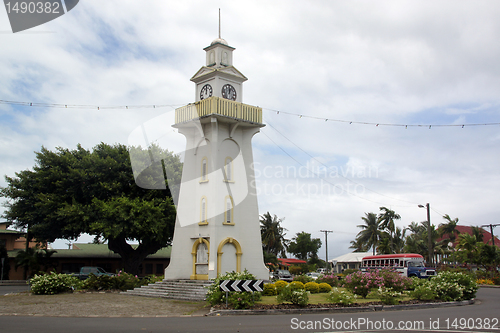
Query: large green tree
[[71, 192], [303, 246]]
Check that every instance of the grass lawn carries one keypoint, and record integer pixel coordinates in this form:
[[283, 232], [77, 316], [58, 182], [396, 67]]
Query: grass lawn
[[322, 298]]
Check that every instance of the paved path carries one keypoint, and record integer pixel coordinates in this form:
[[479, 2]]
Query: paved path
[[487, 306]]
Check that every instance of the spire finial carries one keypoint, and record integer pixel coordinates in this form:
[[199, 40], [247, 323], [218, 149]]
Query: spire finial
[[219, 23]]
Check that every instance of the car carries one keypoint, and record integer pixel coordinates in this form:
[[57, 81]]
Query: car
[[283, 274], [322, 270], [313, 275]]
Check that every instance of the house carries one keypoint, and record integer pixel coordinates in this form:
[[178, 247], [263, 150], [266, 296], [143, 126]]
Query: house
[[14, 241], [71, 260], [463, 229], [285, 263], [348, 261]]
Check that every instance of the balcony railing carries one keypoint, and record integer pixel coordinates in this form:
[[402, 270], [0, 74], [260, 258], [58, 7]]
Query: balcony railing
[[219, 106]]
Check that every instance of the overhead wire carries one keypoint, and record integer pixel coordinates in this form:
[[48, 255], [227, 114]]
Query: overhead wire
[[300, 115]]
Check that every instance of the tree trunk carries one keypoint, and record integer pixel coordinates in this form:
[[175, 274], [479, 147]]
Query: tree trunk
[[132, 258]]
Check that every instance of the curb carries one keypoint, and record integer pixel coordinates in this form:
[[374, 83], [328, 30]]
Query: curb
[[369, 308]]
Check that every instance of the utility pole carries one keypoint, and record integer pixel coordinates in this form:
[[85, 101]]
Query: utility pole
[[429, 231], [491, 231], [326, 243]]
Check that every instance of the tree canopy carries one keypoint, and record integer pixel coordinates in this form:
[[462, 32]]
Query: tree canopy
[[71, 192], [303, 246]]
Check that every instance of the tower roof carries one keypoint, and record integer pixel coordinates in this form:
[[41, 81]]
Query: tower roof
[[219, 41]]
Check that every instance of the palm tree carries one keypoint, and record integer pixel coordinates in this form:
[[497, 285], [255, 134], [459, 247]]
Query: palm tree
[[449, 228], [273, 235], [398, 240], [371, 232], [468, 243], [387, 217], [358, 246], [478, 232], [28, 259]]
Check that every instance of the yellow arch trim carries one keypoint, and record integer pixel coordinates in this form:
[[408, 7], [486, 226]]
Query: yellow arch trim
[[195, 276], [237, 245]]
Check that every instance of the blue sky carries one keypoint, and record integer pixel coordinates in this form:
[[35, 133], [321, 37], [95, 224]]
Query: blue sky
[[397, 62]]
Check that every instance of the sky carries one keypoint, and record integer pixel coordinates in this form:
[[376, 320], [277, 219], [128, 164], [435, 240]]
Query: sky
[[334, 78]]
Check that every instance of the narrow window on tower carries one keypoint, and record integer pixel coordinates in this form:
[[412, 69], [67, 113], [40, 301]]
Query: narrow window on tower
[[204, 170], [203, 211], [228, 213], [228, 169]]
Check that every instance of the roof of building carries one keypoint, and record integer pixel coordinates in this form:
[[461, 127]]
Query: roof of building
[[463, 229], [351, 257], [81, 250], [291, 261], [11, 232]]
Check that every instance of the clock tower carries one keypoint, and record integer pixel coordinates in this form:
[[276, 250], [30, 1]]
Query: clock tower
[[219, 77], [217, 228]]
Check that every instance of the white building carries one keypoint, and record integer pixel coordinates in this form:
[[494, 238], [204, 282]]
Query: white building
[[348, 261], [217, 228]]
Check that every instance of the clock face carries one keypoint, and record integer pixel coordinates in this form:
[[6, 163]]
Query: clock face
[[229, 92], [206, 91]]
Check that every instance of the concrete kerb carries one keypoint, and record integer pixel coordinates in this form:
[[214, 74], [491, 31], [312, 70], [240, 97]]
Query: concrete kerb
[[369, 308]]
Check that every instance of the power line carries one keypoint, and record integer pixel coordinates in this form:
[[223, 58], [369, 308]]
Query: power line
[[87, 107], [325, 180], [159, 106], [326, 166], [351, 122]]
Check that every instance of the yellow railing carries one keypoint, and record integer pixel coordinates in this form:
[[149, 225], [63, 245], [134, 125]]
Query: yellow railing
[[220, 106]]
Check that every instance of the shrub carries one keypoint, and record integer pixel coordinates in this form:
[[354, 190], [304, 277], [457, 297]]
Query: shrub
[[496, 279], [346, 272], [216, 296], [296, 285], [298, 297], [388, 295], [241, 300], [452, 286], [485, 281], [424, 292], [303, 278], [280, 284], [101, 282], [269, 289], [331, 279], [337, 296], [312, 287], [394, 280], [324, 288], [296, 270], [53, 283], [360, 283]]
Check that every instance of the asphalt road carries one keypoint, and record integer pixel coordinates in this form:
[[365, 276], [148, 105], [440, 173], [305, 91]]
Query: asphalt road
[[6, 289], [486, 309]]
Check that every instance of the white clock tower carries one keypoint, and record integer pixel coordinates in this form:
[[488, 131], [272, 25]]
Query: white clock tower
[[217, 228]]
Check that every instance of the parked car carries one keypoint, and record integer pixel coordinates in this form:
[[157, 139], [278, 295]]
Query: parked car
[[283, 274], [322, 270], [87, 270], [313, 275]]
